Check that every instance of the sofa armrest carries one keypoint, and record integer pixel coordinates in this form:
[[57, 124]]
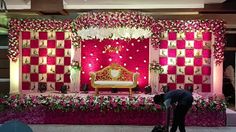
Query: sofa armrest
[[135, 78], [93, 78]]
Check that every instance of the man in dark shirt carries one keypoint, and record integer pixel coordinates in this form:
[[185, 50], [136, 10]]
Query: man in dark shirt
[[183, 100]]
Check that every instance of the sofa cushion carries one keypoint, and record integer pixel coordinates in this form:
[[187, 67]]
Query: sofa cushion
[[113, 83]]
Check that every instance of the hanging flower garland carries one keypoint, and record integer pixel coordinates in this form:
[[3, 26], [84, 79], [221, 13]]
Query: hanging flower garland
[[18, 25], [214, 26], [120, 25]]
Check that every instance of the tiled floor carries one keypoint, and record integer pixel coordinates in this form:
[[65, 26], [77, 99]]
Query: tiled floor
[[118, 128]]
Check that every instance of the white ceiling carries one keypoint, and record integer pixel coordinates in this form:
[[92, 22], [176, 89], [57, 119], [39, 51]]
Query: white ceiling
[[119, 4]]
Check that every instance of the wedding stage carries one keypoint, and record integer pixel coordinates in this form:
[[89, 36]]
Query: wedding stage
[[49, 57], [106, 109]]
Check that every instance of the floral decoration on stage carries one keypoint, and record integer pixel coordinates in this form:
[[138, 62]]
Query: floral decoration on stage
[[214, 26], [101, 103], [16, 26], [75, 65], [156, 67], [116, 25]]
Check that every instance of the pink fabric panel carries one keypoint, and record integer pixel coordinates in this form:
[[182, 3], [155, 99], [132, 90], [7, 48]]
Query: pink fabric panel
[[42, 52], [164, 44], [180, 61], [60, 35], [34, 43], [25, 35], [51, 44], [189, 70], [34, 77], [206, 88], [189, 52], [26, 52], [25, 85], [206, 53], [51, 60], [67, 44], [189, 35], [172, 86], [180, 78], [198, 44], [197, 79], [59, 52], [132, 54], [207, 36], [59, 69], [198, 61], [67, 78], [181, 44], [163, 78], [206, 70], [171, 53], [43, 35], [51, 77], [43, 69], [34, 60], [26, 68], [172, 35], [163, 60], [41, 115], [171, 70]]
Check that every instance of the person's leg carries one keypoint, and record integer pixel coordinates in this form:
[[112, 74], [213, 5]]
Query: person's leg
[[182, 114], [176, 119]]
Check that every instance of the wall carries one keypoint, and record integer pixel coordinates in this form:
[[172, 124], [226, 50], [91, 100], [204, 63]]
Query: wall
[[4, 65]]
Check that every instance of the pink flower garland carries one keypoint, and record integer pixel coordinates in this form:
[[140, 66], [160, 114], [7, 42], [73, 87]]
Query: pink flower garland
[[127, 19], [117, 19], [18, 25]]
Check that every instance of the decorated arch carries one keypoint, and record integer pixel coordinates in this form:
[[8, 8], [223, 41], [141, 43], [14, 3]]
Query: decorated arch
[[131, 39]]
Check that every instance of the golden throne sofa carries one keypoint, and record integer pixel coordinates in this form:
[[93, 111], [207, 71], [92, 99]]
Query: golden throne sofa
[[114, 76]]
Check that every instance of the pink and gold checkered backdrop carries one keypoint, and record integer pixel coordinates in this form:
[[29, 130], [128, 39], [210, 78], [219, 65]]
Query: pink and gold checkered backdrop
[[186, 58], [45, 58]]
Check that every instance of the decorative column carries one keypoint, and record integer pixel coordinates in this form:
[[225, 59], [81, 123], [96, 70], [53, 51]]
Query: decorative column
[[155, 69], [75, 76], [154, 82]]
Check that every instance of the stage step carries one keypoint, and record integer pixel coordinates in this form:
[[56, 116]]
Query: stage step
[[231, 117]]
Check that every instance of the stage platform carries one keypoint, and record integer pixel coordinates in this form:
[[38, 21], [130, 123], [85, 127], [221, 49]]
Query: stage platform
[[105, 109]]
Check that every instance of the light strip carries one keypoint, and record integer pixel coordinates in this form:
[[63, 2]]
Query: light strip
[[171, 13], [4, 80], [3, 47], [139, 6]]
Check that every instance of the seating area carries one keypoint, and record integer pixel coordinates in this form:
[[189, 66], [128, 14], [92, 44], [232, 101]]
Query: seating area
[[114, 76]]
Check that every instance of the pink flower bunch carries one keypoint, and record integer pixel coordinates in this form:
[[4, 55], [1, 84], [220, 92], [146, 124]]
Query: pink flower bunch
[[210, 104], [75, 65], [156, 67], [101, 103]]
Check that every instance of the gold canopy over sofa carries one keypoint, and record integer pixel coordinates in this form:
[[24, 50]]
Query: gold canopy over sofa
[[114, 76]]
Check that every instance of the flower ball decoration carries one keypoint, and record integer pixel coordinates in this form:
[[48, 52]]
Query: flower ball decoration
[[75, 65], [156, 67]]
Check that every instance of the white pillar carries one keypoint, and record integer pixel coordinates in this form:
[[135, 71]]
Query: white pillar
[[15, 77]]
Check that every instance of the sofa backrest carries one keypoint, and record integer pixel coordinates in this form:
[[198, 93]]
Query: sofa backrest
[[114, 72]]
